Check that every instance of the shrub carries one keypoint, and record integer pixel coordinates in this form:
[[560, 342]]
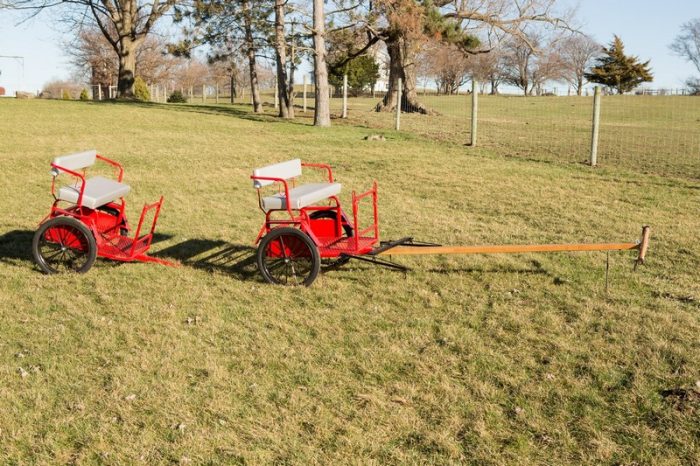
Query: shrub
[[84, 95], [177, 98], [66, 95], [141, 90]]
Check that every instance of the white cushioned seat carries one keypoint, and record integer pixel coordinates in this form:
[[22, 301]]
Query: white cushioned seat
[[302, 196], [98, 192]]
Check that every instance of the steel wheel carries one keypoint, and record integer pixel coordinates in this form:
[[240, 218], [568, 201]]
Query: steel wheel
[[287, 256], [63, 244]]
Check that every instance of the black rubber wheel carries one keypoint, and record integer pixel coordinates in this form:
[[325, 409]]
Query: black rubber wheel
[[63, 244], [347, 228], [287, 256]]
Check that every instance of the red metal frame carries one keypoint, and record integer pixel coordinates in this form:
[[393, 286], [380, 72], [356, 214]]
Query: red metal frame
[[106, 226], [327, 234]]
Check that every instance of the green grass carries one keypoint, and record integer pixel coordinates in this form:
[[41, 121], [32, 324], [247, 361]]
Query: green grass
[[484, 360]]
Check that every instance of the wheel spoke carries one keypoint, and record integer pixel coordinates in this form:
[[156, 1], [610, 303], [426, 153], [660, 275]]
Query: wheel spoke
[[288, 257], [63, 246]]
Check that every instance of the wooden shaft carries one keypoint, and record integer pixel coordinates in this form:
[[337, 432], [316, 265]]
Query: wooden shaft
[[506, 249]]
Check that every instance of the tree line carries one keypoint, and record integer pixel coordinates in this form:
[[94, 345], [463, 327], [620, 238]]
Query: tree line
[[524, 43]]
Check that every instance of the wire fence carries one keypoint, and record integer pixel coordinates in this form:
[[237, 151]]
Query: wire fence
[[652, 131]]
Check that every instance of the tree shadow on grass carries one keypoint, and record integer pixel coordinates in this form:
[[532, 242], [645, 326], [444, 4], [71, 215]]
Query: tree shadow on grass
[[232, 110], [214, 255]]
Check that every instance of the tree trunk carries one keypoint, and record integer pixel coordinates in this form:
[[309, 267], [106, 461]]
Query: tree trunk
[[286, 110], [401, 66], [290, 83], [233, 88], [127, 67], [322, 110], [250, 51]]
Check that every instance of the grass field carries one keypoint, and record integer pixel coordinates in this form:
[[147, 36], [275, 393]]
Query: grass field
[[480, 360]]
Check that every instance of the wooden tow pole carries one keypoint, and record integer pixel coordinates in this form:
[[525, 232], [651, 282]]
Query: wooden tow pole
[[640, 246]]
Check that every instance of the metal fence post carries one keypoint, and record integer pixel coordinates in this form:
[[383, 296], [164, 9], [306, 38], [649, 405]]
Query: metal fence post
[[475, 111], [596, 127], [304, 99], [345, 96], [398, 105]]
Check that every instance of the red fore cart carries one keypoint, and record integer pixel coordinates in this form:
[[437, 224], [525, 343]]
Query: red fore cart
[[88, 219], [298, 232]]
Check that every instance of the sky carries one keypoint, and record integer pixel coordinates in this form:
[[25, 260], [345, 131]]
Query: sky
[[646, 27]]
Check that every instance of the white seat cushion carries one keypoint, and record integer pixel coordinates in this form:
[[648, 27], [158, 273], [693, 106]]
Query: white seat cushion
[[98, 192], [302, 196]]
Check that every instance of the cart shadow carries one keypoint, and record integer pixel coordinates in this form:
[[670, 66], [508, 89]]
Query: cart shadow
[[536, 268], [16, 245], [214, 255]]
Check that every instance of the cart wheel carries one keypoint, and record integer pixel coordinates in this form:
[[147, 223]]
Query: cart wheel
[[287, 256], [123, 227], [347, 228], [63, 244]]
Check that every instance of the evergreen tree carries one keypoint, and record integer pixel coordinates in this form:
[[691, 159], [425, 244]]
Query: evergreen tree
[[619, 71], [141, 91], [362, 71]]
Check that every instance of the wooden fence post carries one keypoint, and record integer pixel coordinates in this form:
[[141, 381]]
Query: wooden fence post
[[304, 98], [217, 93], [596, 127], [204, 93], [475, 111], [345, 96], [398, 105]]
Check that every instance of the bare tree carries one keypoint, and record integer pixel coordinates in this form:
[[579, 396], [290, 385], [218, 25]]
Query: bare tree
[[577, 53], [687, 43], [322, 112], [531, 62], [520, 60], [251, 51], [687, 46], [286, 104], [124, 23], [446, 64], [94, 60], [489, 68], [191, 75]]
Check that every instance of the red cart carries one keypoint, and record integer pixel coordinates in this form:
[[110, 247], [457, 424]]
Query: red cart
[[88, 219], [298, 232]]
